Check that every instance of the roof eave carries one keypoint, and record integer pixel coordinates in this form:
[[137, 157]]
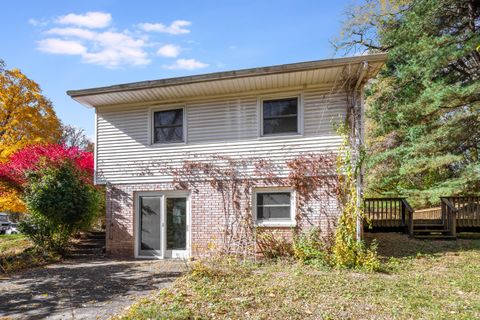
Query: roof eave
[[252, 72]]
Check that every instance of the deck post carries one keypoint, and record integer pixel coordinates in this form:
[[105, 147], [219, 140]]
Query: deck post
[[410, 223], [453, 223]]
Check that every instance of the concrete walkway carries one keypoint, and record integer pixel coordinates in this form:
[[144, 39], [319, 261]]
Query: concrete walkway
[[89, 289]]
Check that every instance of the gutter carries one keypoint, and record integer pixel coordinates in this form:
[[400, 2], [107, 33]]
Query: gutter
[[235, 74]]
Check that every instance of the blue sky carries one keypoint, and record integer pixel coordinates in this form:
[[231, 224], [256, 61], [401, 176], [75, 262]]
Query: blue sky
[[66, 45]]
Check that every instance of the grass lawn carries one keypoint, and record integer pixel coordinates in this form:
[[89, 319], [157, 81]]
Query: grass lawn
[[17, 253], [13, 244], [422, 280]]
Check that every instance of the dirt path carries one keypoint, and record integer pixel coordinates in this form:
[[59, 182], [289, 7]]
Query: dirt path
[[94, 289]]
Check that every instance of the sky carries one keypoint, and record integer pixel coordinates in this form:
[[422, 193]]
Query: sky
[[65, 45]]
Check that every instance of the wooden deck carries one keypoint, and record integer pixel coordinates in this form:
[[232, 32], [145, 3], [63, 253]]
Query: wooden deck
[[395, 214]]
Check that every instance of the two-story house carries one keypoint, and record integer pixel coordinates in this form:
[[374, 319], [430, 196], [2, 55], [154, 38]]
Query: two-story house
[[166, 148]]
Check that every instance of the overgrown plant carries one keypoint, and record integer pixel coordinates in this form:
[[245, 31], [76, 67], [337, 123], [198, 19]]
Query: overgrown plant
[[348, 250], [310, 175], [273, 244], [310, 247]]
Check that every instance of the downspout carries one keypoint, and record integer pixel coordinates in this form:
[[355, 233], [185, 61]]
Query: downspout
[[359, 133]]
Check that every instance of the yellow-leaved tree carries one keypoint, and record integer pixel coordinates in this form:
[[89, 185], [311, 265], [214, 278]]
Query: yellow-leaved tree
[[26, 117]]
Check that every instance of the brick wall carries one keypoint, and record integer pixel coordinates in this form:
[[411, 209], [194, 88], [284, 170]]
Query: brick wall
[[207, 216]]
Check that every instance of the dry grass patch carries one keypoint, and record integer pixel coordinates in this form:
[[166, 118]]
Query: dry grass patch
[[438, 281], [17, 253]]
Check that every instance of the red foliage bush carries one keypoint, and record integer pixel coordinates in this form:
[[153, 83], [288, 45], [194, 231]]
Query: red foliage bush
[[33, 158]]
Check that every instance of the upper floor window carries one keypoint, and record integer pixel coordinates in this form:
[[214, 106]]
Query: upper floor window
[[280, 116], [168, 126]]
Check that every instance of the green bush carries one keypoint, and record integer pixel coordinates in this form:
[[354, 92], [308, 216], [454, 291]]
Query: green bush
[[61, 203], [43, 233], [310, 248]]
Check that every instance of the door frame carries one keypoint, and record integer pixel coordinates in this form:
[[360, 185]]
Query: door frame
[[163, 224]]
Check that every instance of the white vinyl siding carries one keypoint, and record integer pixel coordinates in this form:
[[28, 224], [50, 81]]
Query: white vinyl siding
[[223, 126], [222, 120]]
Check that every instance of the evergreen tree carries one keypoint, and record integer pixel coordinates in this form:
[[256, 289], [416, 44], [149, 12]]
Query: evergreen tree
[[423, 110]]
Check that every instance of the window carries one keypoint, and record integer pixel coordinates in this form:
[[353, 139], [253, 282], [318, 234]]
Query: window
[[274, 207], [168, 126], [280, 116]]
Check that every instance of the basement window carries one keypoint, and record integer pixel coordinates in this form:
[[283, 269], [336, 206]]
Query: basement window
[[168, 126], [273, 207], [280, 116]]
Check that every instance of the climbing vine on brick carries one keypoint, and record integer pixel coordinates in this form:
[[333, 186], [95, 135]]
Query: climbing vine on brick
[[235, 179]]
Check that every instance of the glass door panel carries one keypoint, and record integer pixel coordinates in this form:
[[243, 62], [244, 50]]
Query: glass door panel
[[150, 226], [176, 226]]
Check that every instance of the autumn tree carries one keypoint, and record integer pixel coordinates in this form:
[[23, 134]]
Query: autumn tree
[[32, 158], [423, 110], [26, 118]]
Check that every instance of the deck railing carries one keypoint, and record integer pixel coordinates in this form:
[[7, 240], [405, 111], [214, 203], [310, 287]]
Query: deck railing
[[395, 214], [467, 209], [388, 212], [449, 213]]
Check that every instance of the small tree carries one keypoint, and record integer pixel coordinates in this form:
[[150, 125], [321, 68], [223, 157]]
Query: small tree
[[61, 203], [56, 185]]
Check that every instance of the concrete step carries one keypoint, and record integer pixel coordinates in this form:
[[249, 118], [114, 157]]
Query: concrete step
[[95, 232], [87, 245], [90, 251], [92, 236], [90, 240], [85, 256]]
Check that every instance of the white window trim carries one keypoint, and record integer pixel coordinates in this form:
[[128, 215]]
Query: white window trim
[[299, 132], [272, 223], [151, 125]]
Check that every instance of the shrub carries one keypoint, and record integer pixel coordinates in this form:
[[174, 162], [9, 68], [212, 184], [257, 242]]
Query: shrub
[[273, 245], [61, 203], [43, 233], [356, 254], [310, 248]]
